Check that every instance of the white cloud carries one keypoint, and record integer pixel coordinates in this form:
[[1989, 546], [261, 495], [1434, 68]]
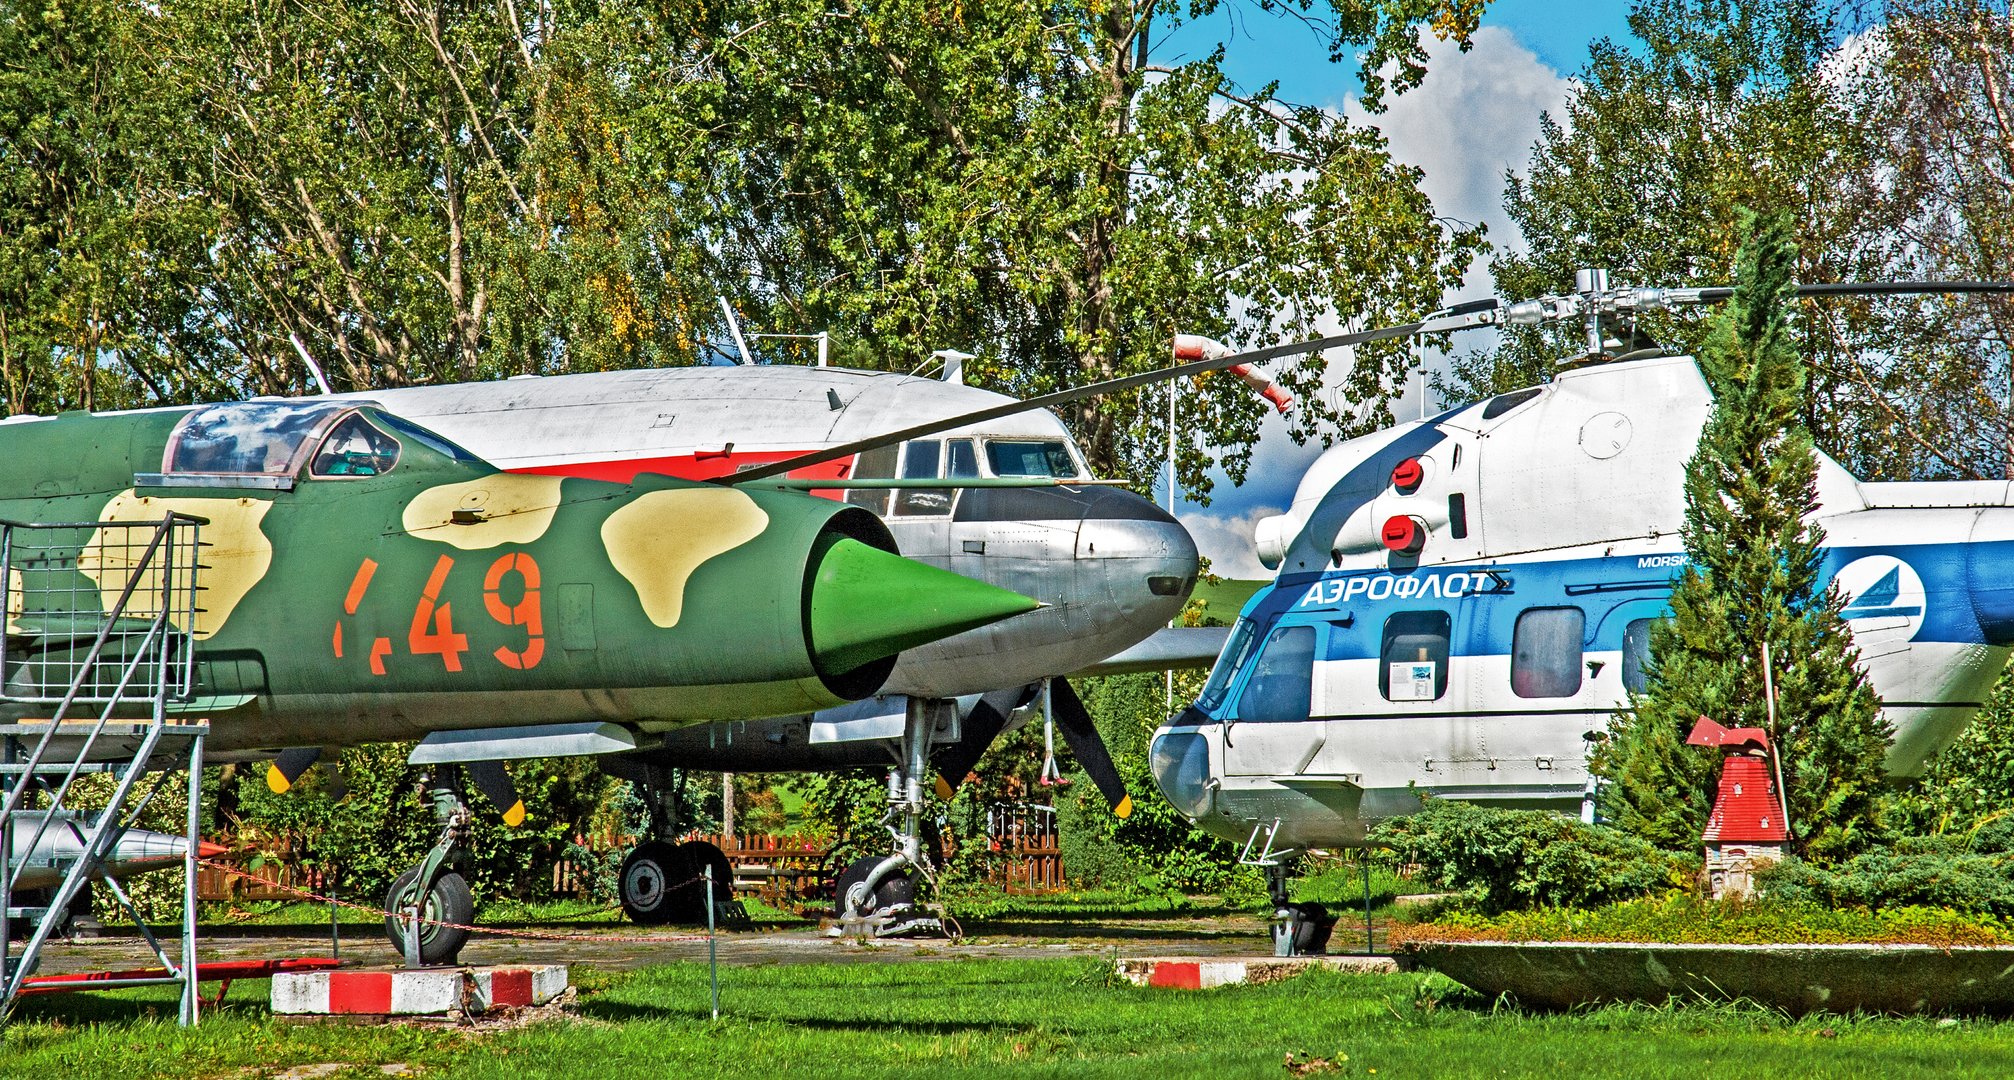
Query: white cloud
[[1227, 541], [1475, 115]]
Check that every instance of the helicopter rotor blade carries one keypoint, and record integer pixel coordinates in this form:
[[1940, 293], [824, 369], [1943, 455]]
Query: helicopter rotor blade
[[1470, 315]]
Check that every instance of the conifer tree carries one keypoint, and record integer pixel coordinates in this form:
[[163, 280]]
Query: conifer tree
[[1753, 578]]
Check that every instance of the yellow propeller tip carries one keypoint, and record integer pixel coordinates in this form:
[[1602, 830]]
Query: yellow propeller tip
[[514, 816], [1125, 808], [277, 780], [944, 789]]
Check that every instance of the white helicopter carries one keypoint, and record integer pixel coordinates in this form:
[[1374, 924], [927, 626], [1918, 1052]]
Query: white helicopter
[[1462, 602]]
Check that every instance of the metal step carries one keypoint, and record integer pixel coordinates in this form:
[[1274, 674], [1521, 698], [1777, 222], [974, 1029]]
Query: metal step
[[45, 768]]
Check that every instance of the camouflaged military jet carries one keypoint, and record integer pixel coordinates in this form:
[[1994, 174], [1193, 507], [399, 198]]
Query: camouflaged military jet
[[363, 579]]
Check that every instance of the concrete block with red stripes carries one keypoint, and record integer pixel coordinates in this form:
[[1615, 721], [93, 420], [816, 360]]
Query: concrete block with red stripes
[[426, 992], [1205, 972]]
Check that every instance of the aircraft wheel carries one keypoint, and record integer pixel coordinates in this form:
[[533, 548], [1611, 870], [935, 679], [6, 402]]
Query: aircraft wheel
[[648, 874], [897, 889], [1312, 929], [448, 901], [657, 882]]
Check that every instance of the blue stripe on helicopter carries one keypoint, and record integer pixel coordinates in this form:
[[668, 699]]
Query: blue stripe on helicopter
[[1488, 598]]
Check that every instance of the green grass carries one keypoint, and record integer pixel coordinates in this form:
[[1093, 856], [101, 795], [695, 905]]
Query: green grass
[[1685, 919], [1226, 597], [971, 1018]]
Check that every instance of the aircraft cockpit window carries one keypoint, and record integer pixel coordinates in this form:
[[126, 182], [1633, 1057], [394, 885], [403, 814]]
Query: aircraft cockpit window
[[433, 440], [1546, 652], [1503, 403], [1636, 655], [247, 443], [875, 464], [1228, 663], [1414, 663], [963, 462], [355, 448], [1282, 681], [1030, 457], [921, 461]]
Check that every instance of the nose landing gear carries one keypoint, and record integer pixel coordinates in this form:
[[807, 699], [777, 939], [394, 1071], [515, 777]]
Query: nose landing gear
[[877, 897]]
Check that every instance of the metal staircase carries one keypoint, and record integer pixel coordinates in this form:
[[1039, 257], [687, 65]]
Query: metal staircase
[[97, 646]]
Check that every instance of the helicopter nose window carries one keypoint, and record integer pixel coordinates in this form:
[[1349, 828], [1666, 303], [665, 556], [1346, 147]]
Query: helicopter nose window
[[1415, 656], [1283, 679], [355, 448]]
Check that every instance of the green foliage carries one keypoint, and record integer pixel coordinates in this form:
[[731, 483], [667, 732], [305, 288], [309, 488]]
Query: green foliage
[[376, 825], [1155, 849], [194, 192], [1753, 578], [1507, 860], [1971, 872], [1970, 784], [1873, 149], [1681, 919]]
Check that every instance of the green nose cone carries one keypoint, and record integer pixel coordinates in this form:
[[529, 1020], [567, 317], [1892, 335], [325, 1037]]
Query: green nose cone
[[866, 604]]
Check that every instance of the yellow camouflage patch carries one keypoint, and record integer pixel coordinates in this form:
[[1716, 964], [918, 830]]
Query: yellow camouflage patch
[[658, 540], [502, 508], [236, 555]]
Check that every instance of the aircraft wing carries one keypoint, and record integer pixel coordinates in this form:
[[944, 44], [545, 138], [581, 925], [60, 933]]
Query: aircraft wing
[[1174, 647]]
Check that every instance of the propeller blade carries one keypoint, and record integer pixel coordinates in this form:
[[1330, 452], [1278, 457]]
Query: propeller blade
[[288, 767], [1082, 735], [495, 784], [981, 726]]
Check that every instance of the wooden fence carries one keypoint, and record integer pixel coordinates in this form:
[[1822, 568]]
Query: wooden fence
[[786, 873]]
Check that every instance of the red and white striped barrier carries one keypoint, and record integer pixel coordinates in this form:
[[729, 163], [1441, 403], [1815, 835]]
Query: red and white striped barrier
[[1203, 973], [430, 992]]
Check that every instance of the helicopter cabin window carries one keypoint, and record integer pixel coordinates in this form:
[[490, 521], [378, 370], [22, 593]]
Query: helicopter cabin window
[[1229, 661], [1030, 457], [921, 461], [246, 443], [1546, 652], [1282, 681], [355, 448], [1636, 655], [875, 464], [1414, 660], [962, 461]]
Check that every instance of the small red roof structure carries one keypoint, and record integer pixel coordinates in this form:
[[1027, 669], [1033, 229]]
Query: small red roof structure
[[1708, 733], [1747, 809]]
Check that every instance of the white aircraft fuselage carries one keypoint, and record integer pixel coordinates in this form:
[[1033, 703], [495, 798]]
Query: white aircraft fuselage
[[1109, 566], [1546, 525]]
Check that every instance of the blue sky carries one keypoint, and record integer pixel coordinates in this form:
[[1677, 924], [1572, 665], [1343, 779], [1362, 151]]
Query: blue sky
[[1474, 116]]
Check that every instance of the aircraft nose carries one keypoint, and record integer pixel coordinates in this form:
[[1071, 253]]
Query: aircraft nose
[[1179, 758]]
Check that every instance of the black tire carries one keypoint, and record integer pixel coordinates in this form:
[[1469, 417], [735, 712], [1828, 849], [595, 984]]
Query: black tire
[[657, 882], [1312, 930], [898, 889], [699, 854], [448, 901], [646, 883]]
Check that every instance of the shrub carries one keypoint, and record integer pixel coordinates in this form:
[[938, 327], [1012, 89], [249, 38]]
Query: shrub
[[1943, 871], [1511, 859]]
